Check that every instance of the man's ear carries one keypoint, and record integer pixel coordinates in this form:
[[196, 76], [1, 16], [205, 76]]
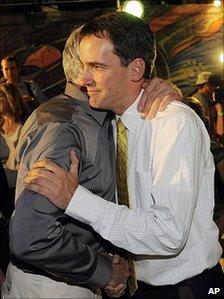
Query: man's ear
[[137, 69]]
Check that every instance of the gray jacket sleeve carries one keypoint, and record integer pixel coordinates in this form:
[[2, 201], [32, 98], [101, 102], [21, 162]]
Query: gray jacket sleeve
[[43, 235]]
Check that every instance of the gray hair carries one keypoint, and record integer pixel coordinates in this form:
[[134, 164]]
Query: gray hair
[[71, 63]]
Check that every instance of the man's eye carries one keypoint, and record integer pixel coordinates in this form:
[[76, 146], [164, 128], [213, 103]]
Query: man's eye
[[97, 67]]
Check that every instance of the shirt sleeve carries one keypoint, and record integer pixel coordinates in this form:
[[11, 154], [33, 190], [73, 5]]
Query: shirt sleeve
[[178, 159], [41, 235]]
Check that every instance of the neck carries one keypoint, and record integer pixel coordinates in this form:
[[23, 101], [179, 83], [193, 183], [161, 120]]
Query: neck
[[130, 98]]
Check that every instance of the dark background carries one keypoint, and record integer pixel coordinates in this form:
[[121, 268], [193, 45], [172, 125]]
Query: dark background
[[189, 35]]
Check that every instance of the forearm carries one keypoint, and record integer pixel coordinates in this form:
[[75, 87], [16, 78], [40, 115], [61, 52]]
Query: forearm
[[156, 231]]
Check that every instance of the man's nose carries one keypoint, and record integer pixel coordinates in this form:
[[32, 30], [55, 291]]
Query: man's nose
[[86, 77], [11, 71]]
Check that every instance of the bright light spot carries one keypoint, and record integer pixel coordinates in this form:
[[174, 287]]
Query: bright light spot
[[221, 57], [134, 7], [217, 3]]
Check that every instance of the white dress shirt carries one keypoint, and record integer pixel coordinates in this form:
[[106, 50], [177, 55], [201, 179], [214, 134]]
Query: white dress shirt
[[170, 179]]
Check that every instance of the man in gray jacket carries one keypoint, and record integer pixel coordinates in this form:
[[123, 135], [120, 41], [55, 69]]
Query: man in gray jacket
[[54, 256]]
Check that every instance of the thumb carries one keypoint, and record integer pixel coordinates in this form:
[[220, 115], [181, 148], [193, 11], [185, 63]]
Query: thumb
[[74, 162]]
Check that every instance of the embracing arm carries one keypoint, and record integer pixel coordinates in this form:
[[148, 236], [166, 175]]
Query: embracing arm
[[41, 234], [157, 95], [162, 227]]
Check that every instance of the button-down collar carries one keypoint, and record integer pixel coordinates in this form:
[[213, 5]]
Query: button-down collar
[[131, 116]]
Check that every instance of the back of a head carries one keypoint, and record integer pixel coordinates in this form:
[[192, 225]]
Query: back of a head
[[71, 63], [215, 80], [131, 37]]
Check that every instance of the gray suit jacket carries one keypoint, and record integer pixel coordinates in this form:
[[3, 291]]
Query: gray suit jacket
[[42, 235]]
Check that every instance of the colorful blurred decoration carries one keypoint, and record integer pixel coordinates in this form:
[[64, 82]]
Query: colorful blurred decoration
[[43, 57], [43, 65], [189, 38]]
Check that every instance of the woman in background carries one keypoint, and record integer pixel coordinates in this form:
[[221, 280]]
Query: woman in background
[[13, 114]]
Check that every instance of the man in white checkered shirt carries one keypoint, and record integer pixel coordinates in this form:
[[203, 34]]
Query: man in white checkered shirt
[[169, 227]]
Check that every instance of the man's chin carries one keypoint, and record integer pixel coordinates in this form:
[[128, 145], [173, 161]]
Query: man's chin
[[94, 103]]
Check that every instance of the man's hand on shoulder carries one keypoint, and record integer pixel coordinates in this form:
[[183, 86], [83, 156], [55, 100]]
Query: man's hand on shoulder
[[53, 182], [156, 96]]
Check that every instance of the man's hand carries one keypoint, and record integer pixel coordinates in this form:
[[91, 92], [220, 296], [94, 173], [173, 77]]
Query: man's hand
[[116, 287], [53, 182], [156, 96]]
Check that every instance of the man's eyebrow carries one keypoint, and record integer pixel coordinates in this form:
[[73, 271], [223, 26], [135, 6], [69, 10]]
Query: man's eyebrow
[[93, 63]]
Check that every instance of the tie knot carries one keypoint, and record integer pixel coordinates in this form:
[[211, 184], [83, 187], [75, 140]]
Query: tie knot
[[120, 126]]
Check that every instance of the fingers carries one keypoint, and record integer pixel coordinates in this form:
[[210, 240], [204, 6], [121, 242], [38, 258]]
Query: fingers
[[43, 182], [148, 97], [74, 163], [157, 95], [166, 98], [117, 291], [38, 181], [164, 103], [36, 173], [153, 108], [47, 164], [148, 87], [53, 182], [41, 189]]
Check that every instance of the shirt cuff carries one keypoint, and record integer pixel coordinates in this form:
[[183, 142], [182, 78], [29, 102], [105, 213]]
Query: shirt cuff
[[85, 206]]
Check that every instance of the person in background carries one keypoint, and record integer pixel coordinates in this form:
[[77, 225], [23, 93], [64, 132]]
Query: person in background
[[6, 210], [219, 100], [206, 84], [11, 118], [30, 91], [13, 114], [168, 226], [52, 255]]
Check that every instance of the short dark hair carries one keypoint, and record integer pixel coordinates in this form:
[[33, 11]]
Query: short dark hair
[[131, 37], [216, 80], [10, 58]]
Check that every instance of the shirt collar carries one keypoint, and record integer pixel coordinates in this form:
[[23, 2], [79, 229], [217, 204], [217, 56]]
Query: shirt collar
[[74, 92], [131, 116]]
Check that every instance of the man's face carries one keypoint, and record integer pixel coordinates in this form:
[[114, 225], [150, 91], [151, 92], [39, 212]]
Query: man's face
[[106, 79], [10, 71]]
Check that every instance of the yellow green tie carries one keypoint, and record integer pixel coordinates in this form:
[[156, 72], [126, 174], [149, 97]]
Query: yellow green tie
[[122, 189]]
